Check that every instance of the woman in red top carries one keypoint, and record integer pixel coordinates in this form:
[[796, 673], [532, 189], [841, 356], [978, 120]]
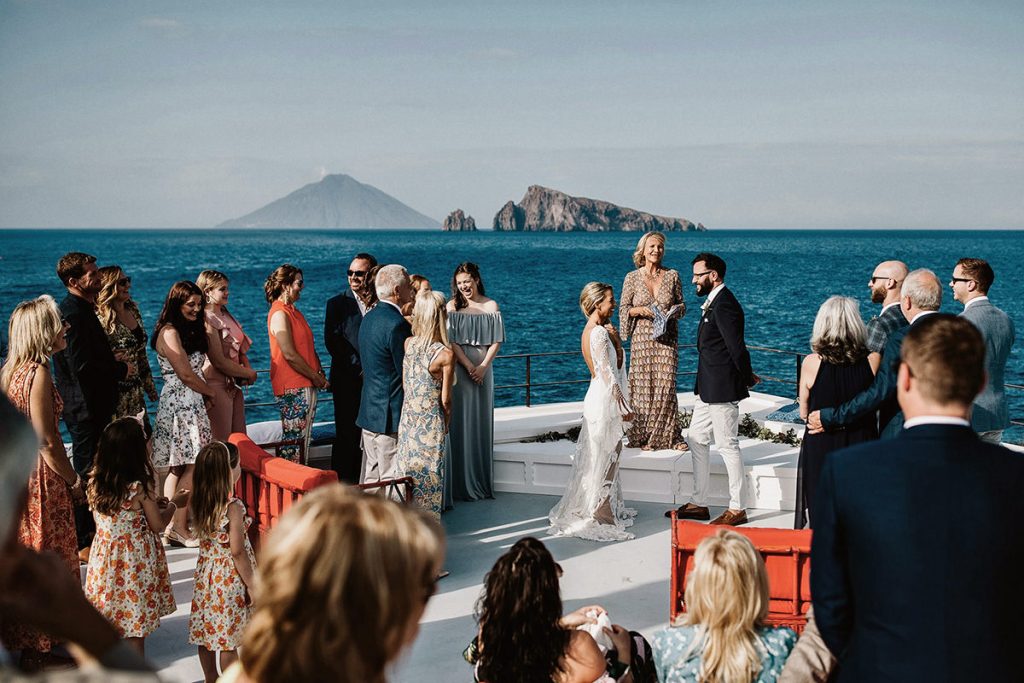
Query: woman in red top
[[295, 370]]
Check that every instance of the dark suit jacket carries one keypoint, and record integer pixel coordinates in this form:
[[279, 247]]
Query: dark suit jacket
[[341, 336], [990, 410], [880, 396], [723, 362], [86, 372], [382, 336], [916, 558]]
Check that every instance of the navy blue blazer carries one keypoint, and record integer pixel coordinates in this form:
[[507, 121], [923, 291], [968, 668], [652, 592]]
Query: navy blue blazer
[[341, 337], [916, 558], [723, 362], [382, 336]]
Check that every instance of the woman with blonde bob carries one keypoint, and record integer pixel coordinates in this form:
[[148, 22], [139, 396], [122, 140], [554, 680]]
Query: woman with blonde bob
[[343, 581], [838, 369], [723, 637], [428, 373]]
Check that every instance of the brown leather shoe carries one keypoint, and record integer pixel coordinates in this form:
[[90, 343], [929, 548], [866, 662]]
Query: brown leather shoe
[[690, 511], [731, 518]]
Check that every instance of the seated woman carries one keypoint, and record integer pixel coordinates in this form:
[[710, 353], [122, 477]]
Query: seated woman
[[343, 581], [523, 635], [723, 638]]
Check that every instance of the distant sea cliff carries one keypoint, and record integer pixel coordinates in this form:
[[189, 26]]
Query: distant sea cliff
[[544, 209]]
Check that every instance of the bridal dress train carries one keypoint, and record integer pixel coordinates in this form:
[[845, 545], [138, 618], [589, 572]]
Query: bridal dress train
[[592, 507]]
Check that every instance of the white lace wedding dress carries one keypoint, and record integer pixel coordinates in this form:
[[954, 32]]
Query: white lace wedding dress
[[591, 506]]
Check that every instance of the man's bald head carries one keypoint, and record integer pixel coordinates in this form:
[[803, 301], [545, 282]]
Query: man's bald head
[[886, 280]]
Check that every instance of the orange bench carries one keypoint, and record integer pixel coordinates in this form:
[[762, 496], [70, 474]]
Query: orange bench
[[787, 557]]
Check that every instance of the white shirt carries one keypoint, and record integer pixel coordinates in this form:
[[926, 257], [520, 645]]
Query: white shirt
[[975, 299], [711, 296], [887, 307], [359, 302], [921, 315], [935, 420], [392, 303]]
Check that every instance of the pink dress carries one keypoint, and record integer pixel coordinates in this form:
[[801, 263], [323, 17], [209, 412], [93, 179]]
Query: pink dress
[[228, 412], [220, 609], [128, 581], [47, 523]]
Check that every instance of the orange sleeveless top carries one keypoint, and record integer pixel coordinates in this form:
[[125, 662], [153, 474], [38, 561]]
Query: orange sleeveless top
[[282, 376]]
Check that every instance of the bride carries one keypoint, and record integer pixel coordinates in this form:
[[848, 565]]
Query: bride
[[592, 506]]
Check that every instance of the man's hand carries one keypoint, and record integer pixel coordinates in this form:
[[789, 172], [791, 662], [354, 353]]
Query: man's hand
[[814, 425], [754, 380]]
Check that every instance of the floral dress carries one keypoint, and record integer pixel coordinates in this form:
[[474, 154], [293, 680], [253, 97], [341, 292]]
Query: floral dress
[[652, 361], [182, 425], [678, 661], [47, 522], [132, 390], [421, 429], [220, 609], [128, 581]]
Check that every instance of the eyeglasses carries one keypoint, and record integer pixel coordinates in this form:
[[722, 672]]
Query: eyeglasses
[[706, 272], [879, 277], [955, 280], [124, 282], [357, 273]]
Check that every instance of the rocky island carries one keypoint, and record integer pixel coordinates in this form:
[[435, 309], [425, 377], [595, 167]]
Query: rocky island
[[544, 209], [457, 221]]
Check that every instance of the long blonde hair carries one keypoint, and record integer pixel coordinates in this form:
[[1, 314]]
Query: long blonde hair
[[212, 486], [34, 327], [638, 256], [429, 318], [839, 336], [342, 580], [109, 277], [727, 600]]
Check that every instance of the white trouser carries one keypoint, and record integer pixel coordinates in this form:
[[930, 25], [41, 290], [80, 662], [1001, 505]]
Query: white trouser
[[995, 436], [722, 420], [380, 459]]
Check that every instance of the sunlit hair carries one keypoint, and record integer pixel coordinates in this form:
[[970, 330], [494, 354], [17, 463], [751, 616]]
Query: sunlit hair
[[387, 280], [417, 282], [520, 612], [727, 600], [342, 580], [371, 286], [946, 355], [209, 280], [429, 318], [639, 260], [839, 335], [923, 288], [33, 329], [592, 295], [978, 270], [212, 486], [72, 266], [283, 276], [109, 277], [473, 271], [192, 333], [122, 459]]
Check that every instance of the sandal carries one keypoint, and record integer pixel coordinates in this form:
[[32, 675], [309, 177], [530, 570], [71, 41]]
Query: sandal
[[681, 446], [176, 540]]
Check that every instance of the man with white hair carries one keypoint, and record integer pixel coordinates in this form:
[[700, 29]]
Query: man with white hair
[[920, 296], [382, 336]]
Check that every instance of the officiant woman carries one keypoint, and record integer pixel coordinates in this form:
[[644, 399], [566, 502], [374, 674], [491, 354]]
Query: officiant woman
[[650, 307]]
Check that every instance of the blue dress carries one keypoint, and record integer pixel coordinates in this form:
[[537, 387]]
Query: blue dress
[[421, 442], [672, 645]]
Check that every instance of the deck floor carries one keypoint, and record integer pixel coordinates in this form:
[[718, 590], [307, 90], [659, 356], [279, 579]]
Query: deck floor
[[630, 579]]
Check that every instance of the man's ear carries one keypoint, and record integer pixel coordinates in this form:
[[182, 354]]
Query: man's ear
[[904, 377]]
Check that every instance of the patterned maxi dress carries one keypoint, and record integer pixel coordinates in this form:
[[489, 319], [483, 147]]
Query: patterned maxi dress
[[652, 362], [128, 581], [220, 610], [47, 523], [421, 429], [132, 390], [182, 425]]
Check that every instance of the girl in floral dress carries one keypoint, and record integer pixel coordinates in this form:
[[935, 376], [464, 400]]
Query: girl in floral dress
[[128, 579], [226, 565]]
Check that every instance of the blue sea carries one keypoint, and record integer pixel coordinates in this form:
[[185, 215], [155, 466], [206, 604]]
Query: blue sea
[[780, 277]]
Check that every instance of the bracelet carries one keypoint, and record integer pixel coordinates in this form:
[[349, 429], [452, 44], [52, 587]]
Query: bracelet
[[78, 482]]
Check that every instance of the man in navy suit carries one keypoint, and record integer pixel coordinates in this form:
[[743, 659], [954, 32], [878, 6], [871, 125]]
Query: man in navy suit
[[723, 377], [916, 557], [382, 336], [341, 336], [972, 278], [920, 296]]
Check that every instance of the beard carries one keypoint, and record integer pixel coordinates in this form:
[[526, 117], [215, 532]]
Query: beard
[[877, 295], [703, 288]]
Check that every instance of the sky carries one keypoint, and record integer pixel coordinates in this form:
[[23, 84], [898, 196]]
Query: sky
[[734, 114]]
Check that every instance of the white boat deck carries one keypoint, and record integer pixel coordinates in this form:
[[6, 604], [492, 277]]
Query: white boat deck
[[630, 578]]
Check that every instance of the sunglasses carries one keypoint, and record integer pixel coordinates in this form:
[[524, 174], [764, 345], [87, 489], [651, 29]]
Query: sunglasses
[[357, 273], [124, 282]]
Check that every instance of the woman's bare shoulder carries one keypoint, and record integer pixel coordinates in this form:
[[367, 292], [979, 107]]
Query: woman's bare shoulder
[[583, 660]]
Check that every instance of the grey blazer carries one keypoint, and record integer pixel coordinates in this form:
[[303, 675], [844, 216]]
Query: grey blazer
[[990, 410]]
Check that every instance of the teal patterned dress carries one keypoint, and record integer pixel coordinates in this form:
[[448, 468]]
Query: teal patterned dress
[[677, 661], [421, 429]]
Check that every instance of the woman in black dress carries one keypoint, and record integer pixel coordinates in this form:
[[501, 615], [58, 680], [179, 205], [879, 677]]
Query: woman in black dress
[[838, 370]]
